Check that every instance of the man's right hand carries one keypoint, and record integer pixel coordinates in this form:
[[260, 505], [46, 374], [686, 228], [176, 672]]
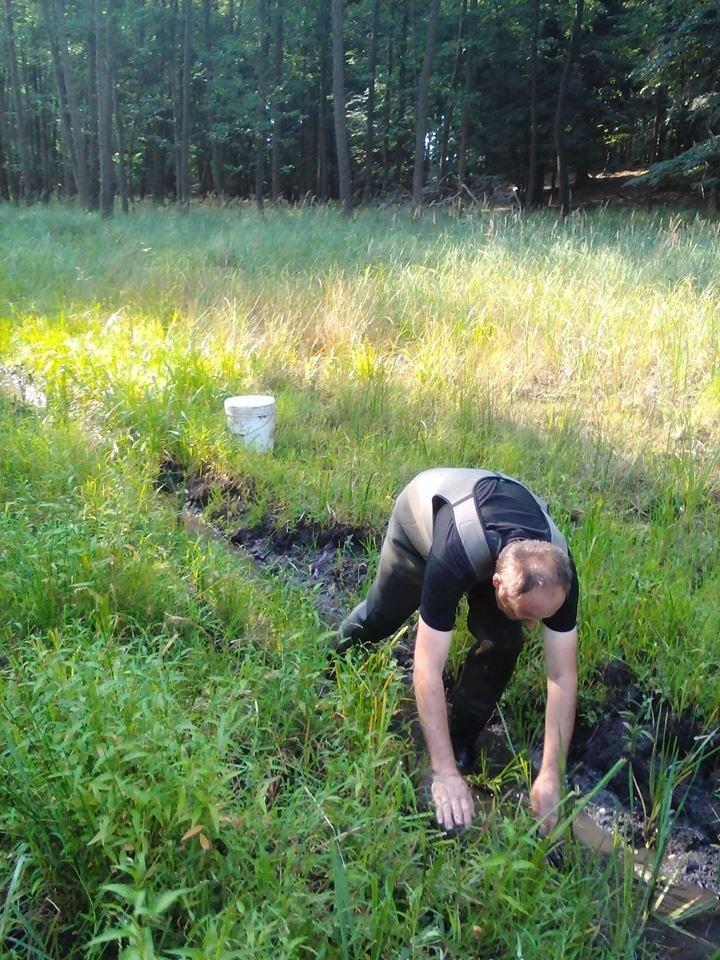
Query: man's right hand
[[453, 799]]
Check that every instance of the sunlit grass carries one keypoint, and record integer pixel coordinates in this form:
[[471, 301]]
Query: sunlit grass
[[581, 357]]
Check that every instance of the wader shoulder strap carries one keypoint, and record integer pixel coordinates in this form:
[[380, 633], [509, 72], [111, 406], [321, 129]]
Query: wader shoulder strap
[[556, 538], [472, 535], [456, 487]]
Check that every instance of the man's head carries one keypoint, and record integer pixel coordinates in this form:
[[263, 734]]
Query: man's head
[[531, 580]]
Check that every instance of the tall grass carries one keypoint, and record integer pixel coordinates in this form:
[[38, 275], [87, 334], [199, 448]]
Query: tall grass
[[177, 772], [581, 357]]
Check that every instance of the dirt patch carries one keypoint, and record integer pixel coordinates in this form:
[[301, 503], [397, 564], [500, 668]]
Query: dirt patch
[[640, 727], [331, 560]]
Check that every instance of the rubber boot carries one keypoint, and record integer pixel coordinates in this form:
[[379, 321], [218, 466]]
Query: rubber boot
[[350, 630]]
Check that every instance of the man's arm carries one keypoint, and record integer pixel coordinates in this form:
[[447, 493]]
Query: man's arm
[[453, 799], [561, 665]]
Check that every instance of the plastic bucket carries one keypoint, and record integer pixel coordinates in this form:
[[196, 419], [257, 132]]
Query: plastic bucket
[[252, 419]]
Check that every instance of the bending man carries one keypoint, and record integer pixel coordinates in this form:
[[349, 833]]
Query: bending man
[[457, 531]]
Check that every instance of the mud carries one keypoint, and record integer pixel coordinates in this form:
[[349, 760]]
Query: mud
[[331, 560], [640, 727]]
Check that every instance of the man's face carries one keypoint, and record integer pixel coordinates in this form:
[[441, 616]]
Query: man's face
[[537, 604]]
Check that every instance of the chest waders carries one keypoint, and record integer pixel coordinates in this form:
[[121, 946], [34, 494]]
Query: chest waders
[[397, 588], [420, 501]]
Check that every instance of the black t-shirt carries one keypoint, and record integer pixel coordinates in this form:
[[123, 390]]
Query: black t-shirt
[[508, 512]]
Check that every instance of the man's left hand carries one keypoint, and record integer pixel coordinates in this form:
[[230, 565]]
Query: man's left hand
[[544, 799]]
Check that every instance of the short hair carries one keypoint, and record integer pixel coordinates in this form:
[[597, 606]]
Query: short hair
[[525, 565]]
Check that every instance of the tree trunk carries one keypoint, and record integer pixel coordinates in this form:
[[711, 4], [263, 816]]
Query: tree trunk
[[69, 161], [562, 164], [104, 101], [45, 137], [7, 187], [402, 93], [216, 153], [93, 146], [176, 95], [531, 183], [422, 103], [321, 187], [447, 120], [370, 130], [91, 129], [659, 127], [261, 126], [387, 104], [185, 111], [469, 85], [341, 138], [78, 136], [21, 135], [277, 107], [156, 176], [123, 185]]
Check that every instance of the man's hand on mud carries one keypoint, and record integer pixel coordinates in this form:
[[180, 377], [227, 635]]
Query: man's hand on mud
[[453, 799], [545, 799]]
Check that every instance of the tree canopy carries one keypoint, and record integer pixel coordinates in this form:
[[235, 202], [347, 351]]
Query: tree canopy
[[169, 99]]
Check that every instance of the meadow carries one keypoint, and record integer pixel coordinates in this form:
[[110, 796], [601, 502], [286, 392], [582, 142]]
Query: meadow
[[180, 776]]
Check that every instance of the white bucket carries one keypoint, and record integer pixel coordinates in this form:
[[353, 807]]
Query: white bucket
[[252, 419]]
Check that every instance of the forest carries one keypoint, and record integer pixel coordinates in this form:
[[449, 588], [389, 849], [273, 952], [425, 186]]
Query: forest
[[109, 101], [474, 233]]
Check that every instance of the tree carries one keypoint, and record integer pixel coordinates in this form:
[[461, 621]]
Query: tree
[[277, 116], [103, 31], [370, 123], [67, 80], [559, 125], [341, 137], [422, 103], [533, 180], [261, 129], [184, 169], [20, 129]]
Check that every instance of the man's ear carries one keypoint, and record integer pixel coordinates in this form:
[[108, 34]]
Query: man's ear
[[496, 581]]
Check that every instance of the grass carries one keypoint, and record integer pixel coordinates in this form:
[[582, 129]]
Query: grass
[[179, 777]]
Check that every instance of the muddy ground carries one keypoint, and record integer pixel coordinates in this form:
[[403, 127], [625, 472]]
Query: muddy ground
[[631, 723]]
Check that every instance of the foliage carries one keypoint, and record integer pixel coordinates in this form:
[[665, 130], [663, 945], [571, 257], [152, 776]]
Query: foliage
[[644, 88], [700, 164]]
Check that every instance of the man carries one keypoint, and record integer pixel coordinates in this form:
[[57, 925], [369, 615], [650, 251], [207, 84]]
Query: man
[[456, 531]]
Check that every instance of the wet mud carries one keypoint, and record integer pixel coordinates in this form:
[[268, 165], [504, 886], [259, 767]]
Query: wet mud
[[331, 560], [640, 727]]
